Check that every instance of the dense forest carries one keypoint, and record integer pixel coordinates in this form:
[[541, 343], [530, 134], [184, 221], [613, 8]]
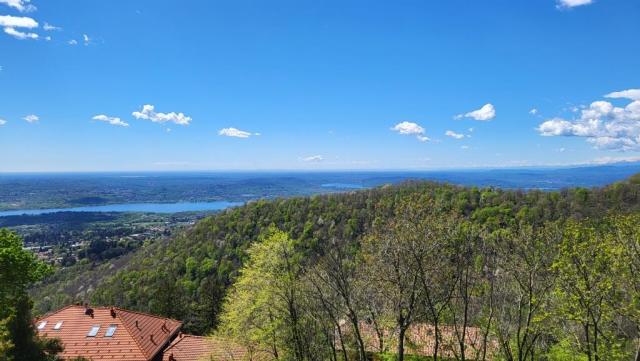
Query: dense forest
[[538, 275]]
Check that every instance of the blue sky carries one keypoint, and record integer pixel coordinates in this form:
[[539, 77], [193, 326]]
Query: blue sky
[[215, 85]]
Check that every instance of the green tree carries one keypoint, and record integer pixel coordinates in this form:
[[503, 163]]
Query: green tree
[[392, 270], [525, 256], [587, 293], [263, 309], [18, 337], [624, 233]]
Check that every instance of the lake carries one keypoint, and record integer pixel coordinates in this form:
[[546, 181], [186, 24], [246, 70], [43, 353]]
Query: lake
[[166, 192], [132, 207]]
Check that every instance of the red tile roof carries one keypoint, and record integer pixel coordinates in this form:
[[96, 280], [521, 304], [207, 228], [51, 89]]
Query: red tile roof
[[137, 336], [420, 339], [198, 348]]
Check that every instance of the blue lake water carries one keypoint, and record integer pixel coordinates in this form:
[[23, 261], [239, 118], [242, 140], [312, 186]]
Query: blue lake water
[[133, 207]]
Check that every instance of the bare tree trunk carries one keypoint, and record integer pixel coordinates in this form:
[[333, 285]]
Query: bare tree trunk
[[400, 355], [436, 343], [485, 339], [378, 330], [586, 332], [344, 349], [356, 330]]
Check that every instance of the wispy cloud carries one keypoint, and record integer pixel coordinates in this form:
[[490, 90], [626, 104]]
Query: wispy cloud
[[148, 113], [533, 111], [235, 133], [410, 128], [313, 158], [86, 39], [486, 113], [49, 27], [72, 42], [23, 6], [31, 118], [2, 122], [111, 120], [452, 134], [566, 4]]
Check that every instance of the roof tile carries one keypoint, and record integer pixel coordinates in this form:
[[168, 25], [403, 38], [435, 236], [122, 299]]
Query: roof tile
[[138, 336]]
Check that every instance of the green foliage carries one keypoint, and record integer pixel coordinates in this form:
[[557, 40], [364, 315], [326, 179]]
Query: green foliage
[[18, 269], [587, 291], [563, 351], [263, 309], [491, 248], [6, 345], [18, 338]]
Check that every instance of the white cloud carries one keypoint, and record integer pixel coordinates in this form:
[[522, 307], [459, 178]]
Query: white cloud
[[12, 23], [313, 158], [452, 134], [86, 39], [235, 132], [17, 22], [633, 94], [602, 124], [20, 5], [464, 147], [20, 34], [148, 113], [110, 120], [31, 118], [486, 113], [72, 42], [2, 122], [573, 3], [49, 27], [410, 128], [533, 111]]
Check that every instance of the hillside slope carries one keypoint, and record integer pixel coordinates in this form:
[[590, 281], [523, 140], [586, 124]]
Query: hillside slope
[[187, 277]]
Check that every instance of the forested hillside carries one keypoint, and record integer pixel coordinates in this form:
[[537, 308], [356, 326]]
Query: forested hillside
[[188, 277]]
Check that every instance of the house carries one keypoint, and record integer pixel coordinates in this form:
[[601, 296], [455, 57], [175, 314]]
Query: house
[[420, 339], [108, 333], [198, 348]]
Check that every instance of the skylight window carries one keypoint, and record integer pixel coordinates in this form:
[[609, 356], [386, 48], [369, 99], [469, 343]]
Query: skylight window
[[93, 331], [41, 325], [110, 331], [58, 325]]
